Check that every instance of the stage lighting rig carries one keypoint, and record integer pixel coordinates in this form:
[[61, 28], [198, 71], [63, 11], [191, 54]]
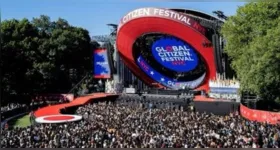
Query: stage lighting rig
[[220, 14], [104, 38]]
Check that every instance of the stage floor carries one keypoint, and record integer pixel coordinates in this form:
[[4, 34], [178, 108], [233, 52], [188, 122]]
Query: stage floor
[[55, 109]]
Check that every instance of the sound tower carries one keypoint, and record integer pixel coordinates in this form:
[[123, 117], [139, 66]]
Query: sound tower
[[109, 49], [217, 53]]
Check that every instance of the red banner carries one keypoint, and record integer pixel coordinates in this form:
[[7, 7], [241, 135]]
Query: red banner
[[259, 115], [162, 13]]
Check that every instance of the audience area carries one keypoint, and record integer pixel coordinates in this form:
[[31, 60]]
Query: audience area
[[118, 125]]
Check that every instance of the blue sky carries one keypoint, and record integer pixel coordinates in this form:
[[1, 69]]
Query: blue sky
[[93, 15]]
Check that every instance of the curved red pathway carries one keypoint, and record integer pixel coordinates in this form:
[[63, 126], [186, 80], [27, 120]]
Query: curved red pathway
[[55, 109]]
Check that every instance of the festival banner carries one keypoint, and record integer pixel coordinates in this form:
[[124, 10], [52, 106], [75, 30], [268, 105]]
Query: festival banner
[[101, 68], [259, 115], [162, 13], [224, 90], [166, 81]]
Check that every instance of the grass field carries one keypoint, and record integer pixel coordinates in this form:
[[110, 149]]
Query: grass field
[[23, 121]]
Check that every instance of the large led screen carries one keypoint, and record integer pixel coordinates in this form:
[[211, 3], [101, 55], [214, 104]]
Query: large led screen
[[101, 68], [175, 54], [170, 56], [167, 81]]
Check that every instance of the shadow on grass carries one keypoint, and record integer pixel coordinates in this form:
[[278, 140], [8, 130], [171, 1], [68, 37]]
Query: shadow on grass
[[23, 121]]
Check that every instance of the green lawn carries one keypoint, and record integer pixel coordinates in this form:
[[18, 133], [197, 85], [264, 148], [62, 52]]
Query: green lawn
[[23, 121]]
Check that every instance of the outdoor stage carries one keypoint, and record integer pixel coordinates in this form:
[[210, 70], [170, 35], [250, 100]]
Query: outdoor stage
[[52, 114]]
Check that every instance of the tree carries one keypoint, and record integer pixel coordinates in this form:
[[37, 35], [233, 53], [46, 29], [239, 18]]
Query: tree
[[19, 44], [65, 48], [38, 56], [253, 36]]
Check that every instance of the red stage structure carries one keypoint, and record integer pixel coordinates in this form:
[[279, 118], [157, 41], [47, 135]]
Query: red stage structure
[[156, 20]]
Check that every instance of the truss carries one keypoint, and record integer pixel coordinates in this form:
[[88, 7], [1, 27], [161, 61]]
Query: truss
[[214, 24], [104, 38]]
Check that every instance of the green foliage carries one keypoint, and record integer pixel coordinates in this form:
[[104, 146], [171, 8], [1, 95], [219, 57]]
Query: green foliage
[[21, 122], [37, 55], [253, 36]]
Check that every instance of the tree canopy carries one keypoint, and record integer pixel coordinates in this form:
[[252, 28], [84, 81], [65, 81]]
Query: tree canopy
[[43, 56], [252, 42]]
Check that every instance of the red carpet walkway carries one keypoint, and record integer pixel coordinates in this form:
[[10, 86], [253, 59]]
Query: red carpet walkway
[[55, 109]]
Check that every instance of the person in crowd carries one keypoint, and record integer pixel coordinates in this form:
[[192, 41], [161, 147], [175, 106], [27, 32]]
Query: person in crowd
[[12, 106], [109, 125]]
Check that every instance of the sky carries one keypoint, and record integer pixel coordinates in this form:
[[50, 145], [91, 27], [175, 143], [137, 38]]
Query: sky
[[93, 15]]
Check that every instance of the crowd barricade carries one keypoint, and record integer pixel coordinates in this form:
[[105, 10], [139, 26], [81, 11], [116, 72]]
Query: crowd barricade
[[259, 115]]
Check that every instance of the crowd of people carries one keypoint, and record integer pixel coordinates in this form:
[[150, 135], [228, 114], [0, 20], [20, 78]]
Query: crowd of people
[[35, 102], [110, 125], [12, 106]]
